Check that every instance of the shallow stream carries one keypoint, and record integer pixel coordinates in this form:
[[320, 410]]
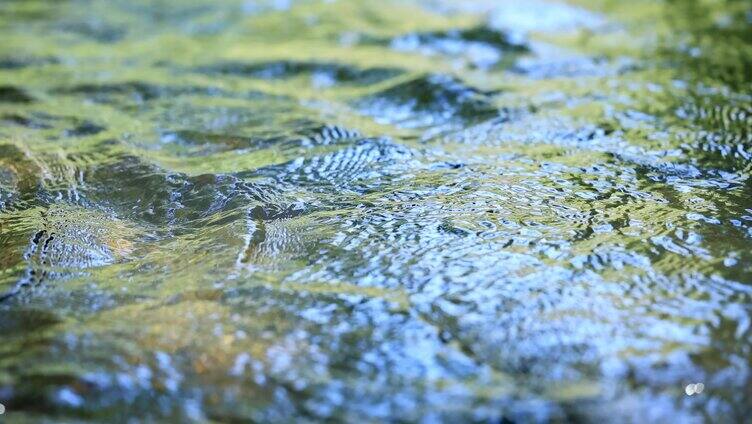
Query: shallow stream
[[363, 210]]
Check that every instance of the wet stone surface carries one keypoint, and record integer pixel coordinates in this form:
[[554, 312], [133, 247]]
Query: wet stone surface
[[360, 211]]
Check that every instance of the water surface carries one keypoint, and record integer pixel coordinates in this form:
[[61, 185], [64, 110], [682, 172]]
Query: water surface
[[360, 211]]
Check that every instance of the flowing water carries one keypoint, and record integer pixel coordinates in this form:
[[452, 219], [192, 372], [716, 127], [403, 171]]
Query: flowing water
[[360, 210]]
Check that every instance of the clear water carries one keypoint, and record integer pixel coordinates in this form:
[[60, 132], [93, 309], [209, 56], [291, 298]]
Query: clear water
[[362, 211]]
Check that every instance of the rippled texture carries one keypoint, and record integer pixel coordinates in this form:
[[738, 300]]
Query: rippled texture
[[356, 211]]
